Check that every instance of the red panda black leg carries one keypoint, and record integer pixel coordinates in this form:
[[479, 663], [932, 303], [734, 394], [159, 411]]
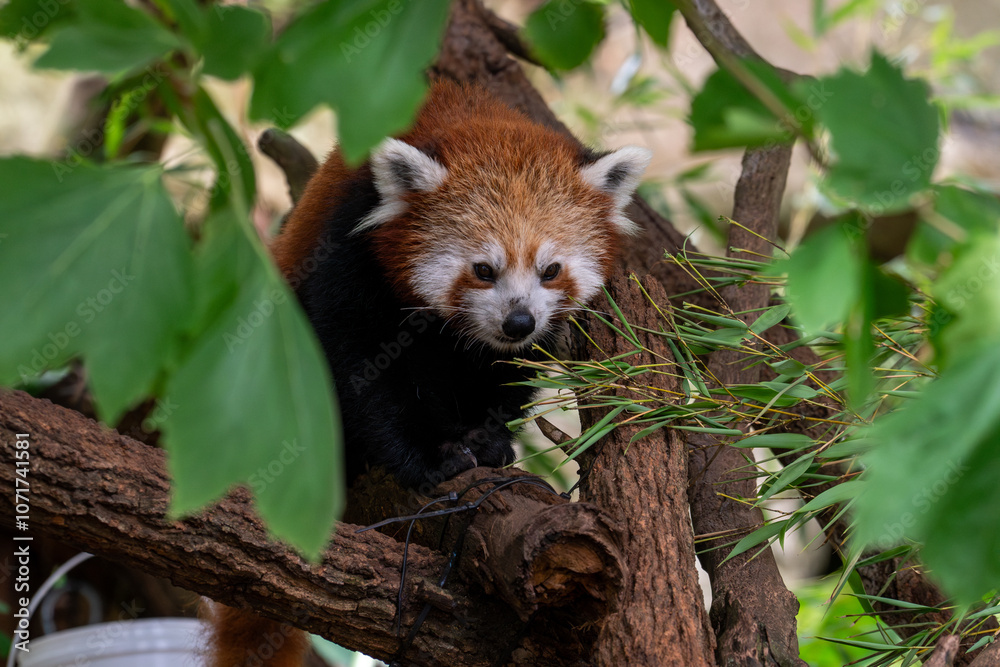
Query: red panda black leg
[[239, 638]]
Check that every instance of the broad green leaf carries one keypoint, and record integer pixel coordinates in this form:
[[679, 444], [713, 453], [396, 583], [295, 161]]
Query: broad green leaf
[[970, 210], [93, 262], [655, 17], [108, 36], [887, 296], [931, 476], [973, 212], [234, 40], [26, 20], [970, 291], [255, 398], [335, 49], [189, 17], [725, 114], [824, 279], [564, 34], [960, 539], [884, 136]]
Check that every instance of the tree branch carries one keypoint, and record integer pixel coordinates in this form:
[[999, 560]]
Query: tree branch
[[96, 490], [752, 611]]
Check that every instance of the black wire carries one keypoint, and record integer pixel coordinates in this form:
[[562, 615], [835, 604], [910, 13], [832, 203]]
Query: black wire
[[406, 550], [499, 483]]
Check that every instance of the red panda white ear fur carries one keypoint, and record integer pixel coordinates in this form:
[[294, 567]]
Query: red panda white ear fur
[[397, 169], [618, 173]]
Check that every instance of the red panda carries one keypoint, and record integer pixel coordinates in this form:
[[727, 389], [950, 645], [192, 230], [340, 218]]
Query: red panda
[[458, 245]]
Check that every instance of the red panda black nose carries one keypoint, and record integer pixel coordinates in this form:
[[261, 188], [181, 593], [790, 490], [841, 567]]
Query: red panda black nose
[[519, 323]]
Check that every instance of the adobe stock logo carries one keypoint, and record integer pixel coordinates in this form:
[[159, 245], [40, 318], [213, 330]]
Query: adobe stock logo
[[921, 502]]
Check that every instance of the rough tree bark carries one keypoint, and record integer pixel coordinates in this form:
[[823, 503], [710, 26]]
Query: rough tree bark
[[99, 491]]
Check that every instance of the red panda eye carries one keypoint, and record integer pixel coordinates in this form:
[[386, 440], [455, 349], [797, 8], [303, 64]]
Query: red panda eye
[[484, 272], [551, 271]]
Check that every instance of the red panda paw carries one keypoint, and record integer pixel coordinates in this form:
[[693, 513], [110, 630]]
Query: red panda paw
[[456, 458]]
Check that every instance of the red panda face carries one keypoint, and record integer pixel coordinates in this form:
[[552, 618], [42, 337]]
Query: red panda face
[[503, 238]]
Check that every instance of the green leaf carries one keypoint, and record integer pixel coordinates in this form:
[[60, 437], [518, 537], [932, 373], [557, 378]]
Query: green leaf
[[727, 337], [757, 537], [725, 114], [851, 447], [887, 296], [654, 16], [858, 352], [789, 475], [823, 279], [727, 322], [782, 395], [975, 212], [884, 135], [966, 562], [789, 367], [335, 49], [776, 441], [188, 16], [93, 262], [970, 290], [564, 34], [932, 476], [874, 646], [901, 604], [108, 36], [235, 171], [255, 398], [649, 430], [30, 19], [769, 318], [234, 40], [843, 492]]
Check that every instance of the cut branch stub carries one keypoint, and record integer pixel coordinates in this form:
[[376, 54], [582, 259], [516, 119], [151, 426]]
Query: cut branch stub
[[525, 544], [537, 549]]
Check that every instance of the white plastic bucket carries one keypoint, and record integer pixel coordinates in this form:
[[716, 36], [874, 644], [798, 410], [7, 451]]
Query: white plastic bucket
[[147, 642]]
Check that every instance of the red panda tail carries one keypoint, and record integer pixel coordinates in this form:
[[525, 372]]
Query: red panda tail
[[239, 638]]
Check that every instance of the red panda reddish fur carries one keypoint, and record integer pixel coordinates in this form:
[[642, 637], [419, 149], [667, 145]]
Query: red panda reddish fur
[[458, 246], [454, 122], [239, 638]]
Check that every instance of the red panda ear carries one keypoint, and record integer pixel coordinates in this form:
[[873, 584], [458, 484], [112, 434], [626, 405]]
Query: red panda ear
[[399, 169], [618, 174]]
